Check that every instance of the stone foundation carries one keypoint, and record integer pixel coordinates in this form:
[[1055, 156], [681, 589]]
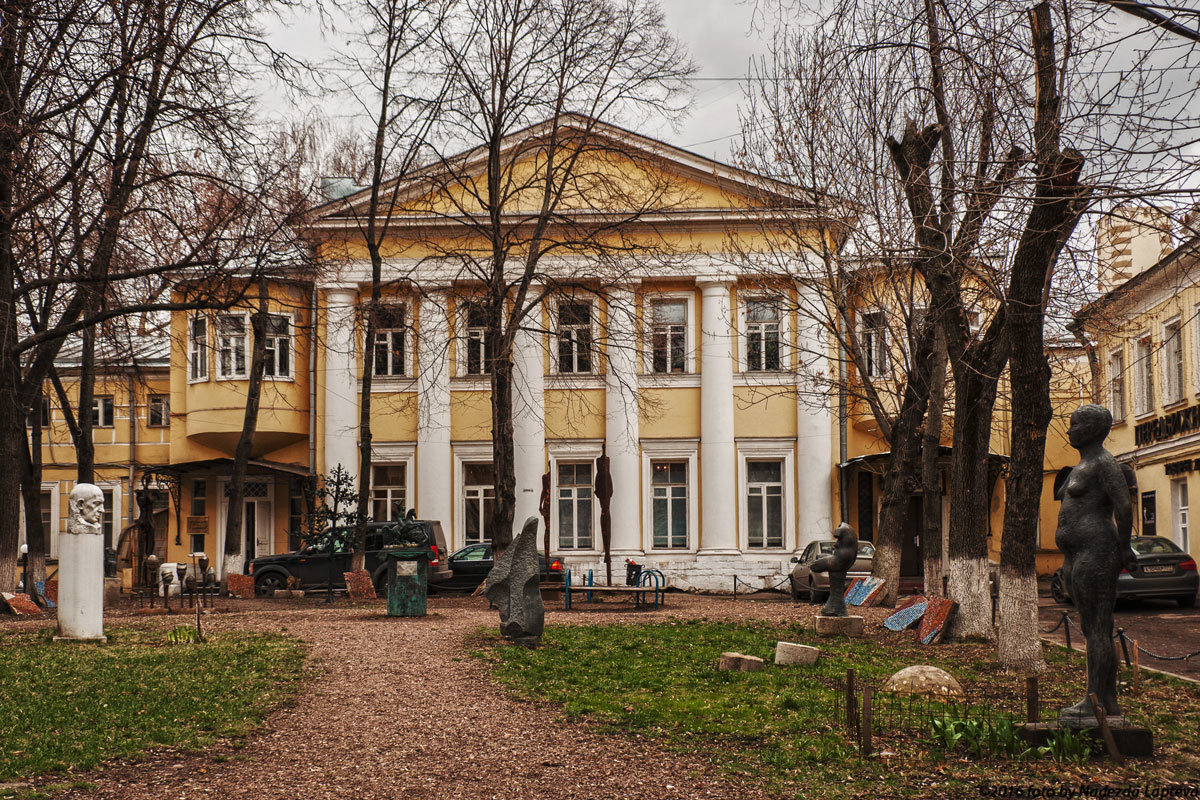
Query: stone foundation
[[692, 572]]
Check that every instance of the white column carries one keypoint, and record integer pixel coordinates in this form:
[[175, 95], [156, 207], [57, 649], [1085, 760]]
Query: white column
[[621, 424], [814, 433], [434, 473], [341, 381], [718, 465], [529, 421], [81, 568]]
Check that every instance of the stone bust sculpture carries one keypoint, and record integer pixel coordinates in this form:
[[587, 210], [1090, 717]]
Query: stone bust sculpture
[[837, 564], [1094, 526], [86, 510]]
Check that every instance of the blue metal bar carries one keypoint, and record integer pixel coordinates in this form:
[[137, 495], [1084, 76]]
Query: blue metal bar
[[590, 582], [566, 590]]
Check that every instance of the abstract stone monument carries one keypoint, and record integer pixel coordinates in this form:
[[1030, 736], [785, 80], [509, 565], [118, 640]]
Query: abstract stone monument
[[513, 586], [1094, 526], [837, 564], [81, 568]]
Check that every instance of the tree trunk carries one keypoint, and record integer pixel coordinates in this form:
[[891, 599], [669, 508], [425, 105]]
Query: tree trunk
[[31, 494], [898, 484], [358, 554], [970, 499], [931, 475], [503, 451], [235, 556], [85, 443]]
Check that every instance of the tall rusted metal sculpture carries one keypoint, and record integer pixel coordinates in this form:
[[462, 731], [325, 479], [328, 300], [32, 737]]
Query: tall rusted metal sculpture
[[604, 493]]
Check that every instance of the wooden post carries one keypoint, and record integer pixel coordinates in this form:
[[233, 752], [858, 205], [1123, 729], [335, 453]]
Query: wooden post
[[1110, 743], [866, 721], [1032, 711], [851, 701], [1136, 671]]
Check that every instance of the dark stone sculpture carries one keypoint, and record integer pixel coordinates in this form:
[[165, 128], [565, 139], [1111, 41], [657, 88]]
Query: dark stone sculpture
[[1094, 526], [837, 564], [513, 586]]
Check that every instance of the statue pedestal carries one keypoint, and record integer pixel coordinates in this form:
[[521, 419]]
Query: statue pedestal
[[839, 626], [80, 587], [1132, 741]]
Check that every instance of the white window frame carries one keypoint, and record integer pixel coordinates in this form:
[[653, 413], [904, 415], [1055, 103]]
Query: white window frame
[[556, 332], [767, 450], [1116, 376], [1180, 519], [670, 450], [410, 333], [574, 451], [98, 404], [115, 488], [1172, 367], [1143, 375], [166, 410], [464, 453], [785, 350], [870, 369], [51, 533], [271, 350], [462, 344], [246, 345], [198, 350], [396, 454], [689, 340]]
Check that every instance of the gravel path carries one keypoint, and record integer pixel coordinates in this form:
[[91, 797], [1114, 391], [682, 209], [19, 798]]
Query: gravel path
[[403, 711]]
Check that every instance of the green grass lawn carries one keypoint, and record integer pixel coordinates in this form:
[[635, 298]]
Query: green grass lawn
[[71, 706], [779, 725]]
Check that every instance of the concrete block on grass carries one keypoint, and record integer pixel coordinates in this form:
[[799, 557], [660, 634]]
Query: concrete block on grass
[[789, 653]]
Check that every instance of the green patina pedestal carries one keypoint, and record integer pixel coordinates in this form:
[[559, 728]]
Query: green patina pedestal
[[408, 581]]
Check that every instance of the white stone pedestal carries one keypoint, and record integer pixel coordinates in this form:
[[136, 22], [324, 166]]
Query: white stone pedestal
[[81, 569]]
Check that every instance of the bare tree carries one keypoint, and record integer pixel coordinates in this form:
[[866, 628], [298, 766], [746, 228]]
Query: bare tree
[[113, 116], [545, 204]]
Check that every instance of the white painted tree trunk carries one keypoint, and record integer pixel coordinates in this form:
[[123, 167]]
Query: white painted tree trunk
[[969, 586], [1020, 648], [235, 563]]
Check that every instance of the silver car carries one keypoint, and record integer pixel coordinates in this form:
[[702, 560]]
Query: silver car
[[815, 585]]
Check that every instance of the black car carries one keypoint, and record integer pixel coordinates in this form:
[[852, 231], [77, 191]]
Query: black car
[[316, 566], [1163, 571], [470, 565]]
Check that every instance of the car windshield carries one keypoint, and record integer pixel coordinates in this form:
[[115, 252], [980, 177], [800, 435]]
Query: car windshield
[[866, 550], [1152, 545]]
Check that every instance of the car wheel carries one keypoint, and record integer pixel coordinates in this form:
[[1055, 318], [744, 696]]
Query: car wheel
[[1057, 591], [266, 585], [814, 595], [1186, 601]]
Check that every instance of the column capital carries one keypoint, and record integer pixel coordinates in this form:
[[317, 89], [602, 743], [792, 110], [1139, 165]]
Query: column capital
[[714, 283]]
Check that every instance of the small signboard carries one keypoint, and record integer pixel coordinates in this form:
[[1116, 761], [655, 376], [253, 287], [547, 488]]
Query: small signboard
[[197, 524]]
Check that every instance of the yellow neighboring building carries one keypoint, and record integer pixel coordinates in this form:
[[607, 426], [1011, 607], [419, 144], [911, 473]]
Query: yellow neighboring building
[[1146, 332]]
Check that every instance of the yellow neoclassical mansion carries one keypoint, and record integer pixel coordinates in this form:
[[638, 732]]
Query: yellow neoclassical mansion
[[694, 376]]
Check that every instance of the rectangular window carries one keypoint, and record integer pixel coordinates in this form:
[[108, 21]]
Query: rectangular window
[[388, 492], [102, 411], [668, 332], [387, 349], [1149, 514], [197, 540], [575, 506], [575, 338], [198, 349], [158, 411], [277, 347], [199, 498], [669, 483], [1179, 499], [42, 415], [1116, 384], [110, 538], [479, 354], [480, 497], [1172, 362], [874, 343], [295, 514], [762, 335], [1143, 376], [231, 346], [764, 503]]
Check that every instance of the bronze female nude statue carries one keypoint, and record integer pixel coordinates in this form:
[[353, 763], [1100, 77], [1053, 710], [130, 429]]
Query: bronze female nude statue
[[1094, 526]]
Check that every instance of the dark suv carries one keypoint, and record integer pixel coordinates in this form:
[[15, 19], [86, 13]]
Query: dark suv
[[316, 566]]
